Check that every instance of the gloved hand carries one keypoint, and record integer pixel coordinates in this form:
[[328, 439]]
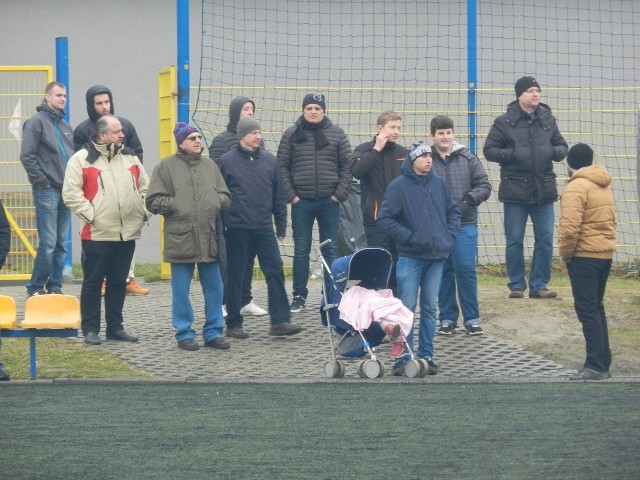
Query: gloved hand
[[469, 200]]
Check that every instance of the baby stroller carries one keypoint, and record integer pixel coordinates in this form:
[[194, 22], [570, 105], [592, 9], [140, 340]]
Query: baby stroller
[[370, 268]]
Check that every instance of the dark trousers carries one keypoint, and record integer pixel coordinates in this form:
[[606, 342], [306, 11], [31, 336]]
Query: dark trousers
[[110, 261], [240, 243], [377, 238], [588, 282]]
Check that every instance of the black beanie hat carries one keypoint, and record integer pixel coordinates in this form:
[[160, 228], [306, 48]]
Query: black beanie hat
[[579, 156], [525, 83], [316, 99]]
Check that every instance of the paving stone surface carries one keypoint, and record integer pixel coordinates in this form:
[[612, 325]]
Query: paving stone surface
[[300, 358]]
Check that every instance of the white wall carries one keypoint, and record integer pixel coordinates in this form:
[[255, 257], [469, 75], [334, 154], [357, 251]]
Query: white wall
[[121, 44]]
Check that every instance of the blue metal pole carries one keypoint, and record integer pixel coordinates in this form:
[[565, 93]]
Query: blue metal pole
[[62, 76], [472, 71], [183, 60]]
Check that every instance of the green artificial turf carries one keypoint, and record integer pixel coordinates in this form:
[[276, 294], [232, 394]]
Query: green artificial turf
[[320, 431]]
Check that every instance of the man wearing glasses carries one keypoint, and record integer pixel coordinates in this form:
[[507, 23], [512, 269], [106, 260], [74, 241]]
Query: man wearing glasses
[[525, 141]]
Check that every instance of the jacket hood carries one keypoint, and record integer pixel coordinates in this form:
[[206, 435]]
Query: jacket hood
[[91, 93], [44, 107], [234, 111], [594, 173], [407, 169]]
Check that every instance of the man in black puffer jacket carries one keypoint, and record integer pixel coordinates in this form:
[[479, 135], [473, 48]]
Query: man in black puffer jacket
[[526, 141], [314, 158]]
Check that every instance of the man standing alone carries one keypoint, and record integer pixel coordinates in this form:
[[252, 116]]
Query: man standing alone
[[47, 144], [587, 240]]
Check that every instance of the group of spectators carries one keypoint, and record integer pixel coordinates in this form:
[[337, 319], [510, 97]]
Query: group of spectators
[[420, 203]]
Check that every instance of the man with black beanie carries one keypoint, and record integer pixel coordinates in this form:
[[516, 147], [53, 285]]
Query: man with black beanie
[[587, 240], [314, 156], [525, 141]]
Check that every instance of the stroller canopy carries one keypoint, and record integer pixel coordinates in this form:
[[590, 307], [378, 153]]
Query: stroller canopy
[[370, 266]]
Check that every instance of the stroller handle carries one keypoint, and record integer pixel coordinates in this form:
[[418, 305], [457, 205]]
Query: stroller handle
[[326, 242]]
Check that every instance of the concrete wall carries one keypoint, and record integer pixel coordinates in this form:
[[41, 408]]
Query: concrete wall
[[119, 43]]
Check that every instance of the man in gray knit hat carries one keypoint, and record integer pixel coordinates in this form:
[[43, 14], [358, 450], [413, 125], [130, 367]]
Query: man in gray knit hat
[[252, 176]]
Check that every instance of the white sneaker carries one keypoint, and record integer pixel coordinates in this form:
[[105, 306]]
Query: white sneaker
[[224, 311], [252, 309]]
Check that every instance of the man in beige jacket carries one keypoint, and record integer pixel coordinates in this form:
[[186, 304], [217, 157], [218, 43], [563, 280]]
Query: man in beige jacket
[[105, 185]]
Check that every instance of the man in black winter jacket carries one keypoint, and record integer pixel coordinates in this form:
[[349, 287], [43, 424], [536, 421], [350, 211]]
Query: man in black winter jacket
[[376, 163], [526, 141], [252, 176], [314, 157], [100, 103]]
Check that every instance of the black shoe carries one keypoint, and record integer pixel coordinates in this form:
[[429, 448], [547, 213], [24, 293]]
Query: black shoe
[[122, 336], [236, 332], [398, 369], [36, 293], [4, 376], [446, 329], [432, 368], [219, 343], [280, 329], [54, 292], [474, 329], [92, 338], [589, 374], [188, 344], [299, 303]]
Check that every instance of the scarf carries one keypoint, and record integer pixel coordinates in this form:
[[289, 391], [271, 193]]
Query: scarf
[[315, 128]]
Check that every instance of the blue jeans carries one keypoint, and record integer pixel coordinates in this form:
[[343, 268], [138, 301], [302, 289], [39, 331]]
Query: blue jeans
[[303, 213], [181, 309], [241, 243], [415, 275], [515, 221], [460, 270], [53, 220]]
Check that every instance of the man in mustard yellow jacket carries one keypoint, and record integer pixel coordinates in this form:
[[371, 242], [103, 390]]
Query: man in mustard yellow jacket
[[587, 240]]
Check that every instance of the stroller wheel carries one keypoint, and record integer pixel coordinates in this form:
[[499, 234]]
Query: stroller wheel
[[372, 368], [361, 369], [341, 369], [381, 374], [332, 369], [424, 367], [412, 368]]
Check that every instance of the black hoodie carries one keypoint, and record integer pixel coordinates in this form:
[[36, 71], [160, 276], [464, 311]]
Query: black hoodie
[[228, 139], [83, 132]]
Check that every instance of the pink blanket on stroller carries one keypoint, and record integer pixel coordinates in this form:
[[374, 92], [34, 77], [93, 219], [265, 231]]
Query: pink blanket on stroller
[[361, 306]]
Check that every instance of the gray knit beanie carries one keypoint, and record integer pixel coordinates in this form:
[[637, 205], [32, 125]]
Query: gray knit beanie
[[246, 125]]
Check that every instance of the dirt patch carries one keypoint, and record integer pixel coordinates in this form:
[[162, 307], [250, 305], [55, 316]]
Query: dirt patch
[[551, 327]]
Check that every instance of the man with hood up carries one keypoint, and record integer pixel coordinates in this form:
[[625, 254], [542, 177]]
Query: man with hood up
[[46, 148], [239, 108], [100, 103], [420, 214]]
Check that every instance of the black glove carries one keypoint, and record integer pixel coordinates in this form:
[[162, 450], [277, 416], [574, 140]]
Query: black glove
[[469, 200]]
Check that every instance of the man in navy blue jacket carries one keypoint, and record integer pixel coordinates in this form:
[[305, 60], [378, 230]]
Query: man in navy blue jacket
[[252, 176], [419, 213]]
